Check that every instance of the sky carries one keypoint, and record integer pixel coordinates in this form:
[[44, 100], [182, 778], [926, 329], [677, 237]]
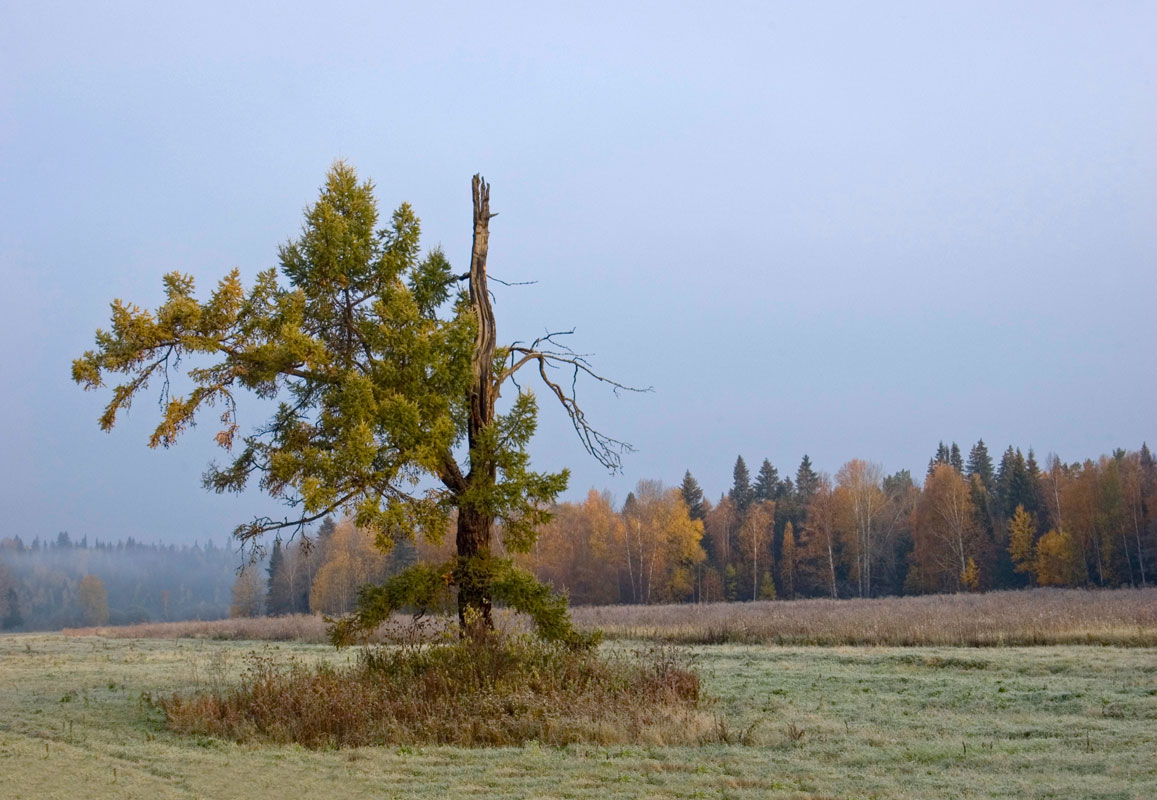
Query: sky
[[844, 229]]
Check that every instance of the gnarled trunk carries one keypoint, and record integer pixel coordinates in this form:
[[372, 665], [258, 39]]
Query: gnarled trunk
[[475, 526]]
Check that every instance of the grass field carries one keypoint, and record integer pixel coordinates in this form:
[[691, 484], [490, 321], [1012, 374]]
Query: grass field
[[914, 722]]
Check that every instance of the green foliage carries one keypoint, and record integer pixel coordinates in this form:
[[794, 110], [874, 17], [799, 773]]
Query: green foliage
[[766, 482], [693, 496], [741, 492], [373, 371], [427, 587]]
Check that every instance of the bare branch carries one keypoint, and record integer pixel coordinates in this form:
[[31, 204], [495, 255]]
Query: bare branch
[[605, 449], [511, 283]]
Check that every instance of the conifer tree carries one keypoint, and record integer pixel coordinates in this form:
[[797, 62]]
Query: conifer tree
[[278, 598], [807, 481], [766, 482], [386, 373], [980, 465], [12, 618], [741, 491], [692, 496], [955, 459]]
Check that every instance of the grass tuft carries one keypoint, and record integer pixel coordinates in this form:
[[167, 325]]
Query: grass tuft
[[490, 691]]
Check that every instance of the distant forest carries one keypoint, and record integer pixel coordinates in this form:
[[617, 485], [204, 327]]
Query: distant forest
[[972, 524]]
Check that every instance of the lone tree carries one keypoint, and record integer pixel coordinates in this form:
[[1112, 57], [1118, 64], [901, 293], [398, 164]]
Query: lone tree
[[388, 373]]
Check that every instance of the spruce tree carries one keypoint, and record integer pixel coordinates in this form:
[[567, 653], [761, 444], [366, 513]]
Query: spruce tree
[[278, 593], [955, 459], [980, 465], [766, 482], [807, 481], [741, 491], [692, 496]]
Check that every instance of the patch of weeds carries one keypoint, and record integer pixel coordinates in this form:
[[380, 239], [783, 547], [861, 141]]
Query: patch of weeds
[[489, 690]]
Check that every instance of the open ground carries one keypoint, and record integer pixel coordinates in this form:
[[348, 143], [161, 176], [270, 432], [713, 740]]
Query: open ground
[[76, 720]]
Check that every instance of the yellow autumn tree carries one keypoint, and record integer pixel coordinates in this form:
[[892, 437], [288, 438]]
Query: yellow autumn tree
[[1057, 560], [944, 531], [755, 536], [787, 561], [248, 593], [577, 550], [660, 544], [92, 597], [970, 577], [353, 559], [1022, 541]]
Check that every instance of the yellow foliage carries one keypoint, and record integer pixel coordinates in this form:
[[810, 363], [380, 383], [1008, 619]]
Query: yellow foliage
[[970, 578], [1021, 535], [1057, 560]]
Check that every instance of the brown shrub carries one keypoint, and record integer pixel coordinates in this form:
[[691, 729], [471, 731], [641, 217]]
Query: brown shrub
[[496, 690]]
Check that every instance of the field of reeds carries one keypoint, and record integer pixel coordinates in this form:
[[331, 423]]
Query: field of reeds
[[1123, 617]]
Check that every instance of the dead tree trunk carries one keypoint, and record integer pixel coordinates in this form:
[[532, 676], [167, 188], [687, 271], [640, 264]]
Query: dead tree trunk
[[475, 525]]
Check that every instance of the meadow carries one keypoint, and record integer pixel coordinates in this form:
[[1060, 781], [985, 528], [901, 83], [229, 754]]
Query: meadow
[[78, 718]]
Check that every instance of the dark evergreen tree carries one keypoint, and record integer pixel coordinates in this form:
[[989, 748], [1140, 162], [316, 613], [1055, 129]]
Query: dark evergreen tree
[[12, 617], [766, 482], [785, 490], [980, 465], [943, 456], [692, 496], [1014, 485], [630, 505], [326, 529], [1148, 465], [741, 491], [278, 593], [955, 459], [898, 483], [807, 481]]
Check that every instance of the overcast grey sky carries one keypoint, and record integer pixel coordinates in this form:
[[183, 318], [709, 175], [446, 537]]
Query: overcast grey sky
[[845, 229]]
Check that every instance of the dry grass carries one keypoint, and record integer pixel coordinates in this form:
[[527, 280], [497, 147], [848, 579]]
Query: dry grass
[[290, 628], [489, 691], [1124, 617], [309, 628]]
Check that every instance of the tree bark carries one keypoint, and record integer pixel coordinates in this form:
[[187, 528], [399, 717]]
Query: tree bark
[[475, 525]]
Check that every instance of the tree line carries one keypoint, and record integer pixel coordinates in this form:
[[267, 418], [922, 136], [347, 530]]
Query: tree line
[[59, 583], [974, 524]]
